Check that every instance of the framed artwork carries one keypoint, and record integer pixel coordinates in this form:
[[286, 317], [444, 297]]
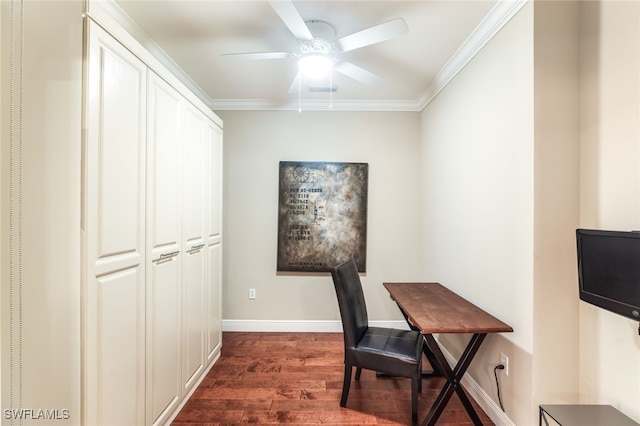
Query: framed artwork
[[322, 215]]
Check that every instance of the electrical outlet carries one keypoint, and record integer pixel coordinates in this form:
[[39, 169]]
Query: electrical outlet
[[504, 360], [252, 293]]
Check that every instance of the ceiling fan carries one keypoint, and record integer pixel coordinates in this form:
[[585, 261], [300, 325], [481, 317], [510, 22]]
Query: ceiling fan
[[319, 49]]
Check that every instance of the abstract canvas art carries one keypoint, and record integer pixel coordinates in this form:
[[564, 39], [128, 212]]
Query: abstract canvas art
[[322, 215]]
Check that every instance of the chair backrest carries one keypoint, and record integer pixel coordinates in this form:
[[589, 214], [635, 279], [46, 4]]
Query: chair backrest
[[353, 309]]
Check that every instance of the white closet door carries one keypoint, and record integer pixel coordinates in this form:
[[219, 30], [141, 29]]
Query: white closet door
[[164, 245], [214, 242], [194, 198], [114, 217]]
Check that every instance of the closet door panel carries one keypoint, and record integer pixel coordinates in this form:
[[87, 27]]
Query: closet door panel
[[194, 240], [193, 347], [116, 149], [118, 366], [215, 183], [113, 220], [163, 356], [120, 209], [164, 257], [214, 311], [194, 176], [164, 168]]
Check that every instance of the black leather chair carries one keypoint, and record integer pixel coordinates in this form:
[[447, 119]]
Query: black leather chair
[[386, 350]]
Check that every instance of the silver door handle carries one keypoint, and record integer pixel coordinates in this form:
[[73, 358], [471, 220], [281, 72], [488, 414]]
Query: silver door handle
[[165, 257], [195, 249]]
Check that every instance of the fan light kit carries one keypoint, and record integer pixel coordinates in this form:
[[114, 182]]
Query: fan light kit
[[315, 66], [320, 52], [315, 62]]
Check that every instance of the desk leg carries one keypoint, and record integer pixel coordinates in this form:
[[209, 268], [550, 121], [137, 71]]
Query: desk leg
[[454, 378], [425, 349], [435, 372]]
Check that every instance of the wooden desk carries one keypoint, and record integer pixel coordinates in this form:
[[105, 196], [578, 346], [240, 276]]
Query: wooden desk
[[432, 309]]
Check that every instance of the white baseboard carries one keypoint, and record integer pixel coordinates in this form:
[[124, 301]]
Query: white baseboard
[[474, 390], [188, 395]]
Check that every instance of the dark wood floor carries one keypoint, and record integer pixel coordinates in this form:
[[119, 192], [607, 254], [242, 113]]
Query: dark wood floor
[[296, 378]]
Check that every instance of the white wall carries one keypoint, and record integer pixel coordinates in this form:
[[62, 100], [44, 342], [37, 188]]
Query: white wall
[[477, 162], [556, 205], [610, 192], [583, 162], [254, 144], [46, 252]]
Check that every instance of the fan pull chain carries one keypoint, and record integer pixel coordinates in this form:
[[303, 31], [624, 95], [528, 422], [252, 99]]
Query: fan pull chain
[[300, 94], [331, 89]]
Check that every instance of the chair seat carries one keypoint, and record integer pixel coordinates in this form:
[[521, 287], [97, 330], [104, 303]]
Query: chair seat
[[390, 345]]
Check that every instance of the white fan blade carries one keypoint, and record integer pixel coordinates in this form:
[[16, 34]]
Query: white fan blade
[[295, 85], [291, 18], [357, 73], [259, 55], [383, 32]]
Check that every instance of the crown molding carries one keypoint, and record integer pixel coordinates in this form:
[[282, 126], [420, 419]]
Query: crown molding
[[105, 10], [496, 19], [312, 105]]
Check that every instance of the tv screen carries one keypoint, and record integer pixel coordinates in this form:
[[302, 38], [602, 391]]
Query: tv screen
[[609, 270]]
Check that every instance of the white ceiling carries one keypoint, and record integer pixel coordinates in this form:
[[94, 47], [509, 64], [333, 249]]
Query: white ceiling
[[194, 34]]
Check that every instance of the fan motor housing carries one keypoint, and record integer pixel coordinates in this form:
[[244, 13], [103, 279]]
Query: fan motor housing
[[321, 29]]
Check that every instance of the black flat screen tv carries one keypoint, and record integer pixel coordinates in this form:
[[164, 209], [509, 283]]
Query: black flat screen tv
[[609, 270]]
